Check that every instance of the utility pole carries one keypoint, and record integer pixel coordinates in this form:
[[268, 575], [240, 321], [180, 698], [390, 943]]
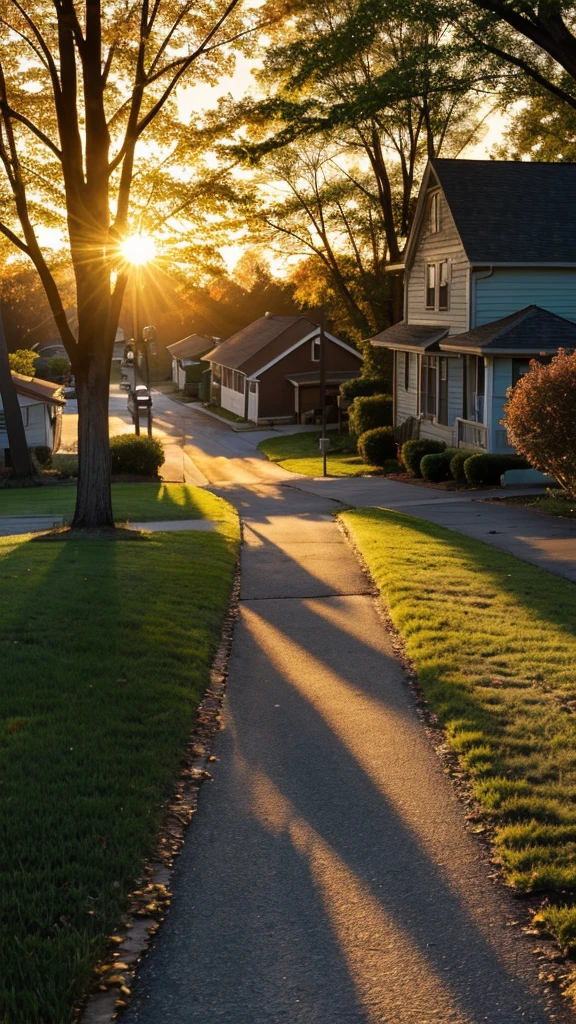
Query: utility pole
[[324, 440]]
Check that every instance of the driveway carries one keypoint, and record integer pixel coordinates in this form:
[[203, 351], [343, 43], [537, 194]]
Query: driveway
[[329, 877]]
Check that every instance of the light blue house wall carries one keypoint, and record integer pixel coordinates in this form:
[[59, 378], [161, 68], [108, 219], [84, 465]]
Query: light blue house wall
[[504, 292], [508, 290]]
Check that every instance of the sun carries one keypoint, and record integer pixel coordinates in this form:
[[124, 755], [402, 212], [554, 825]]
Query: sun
[[138, 249]]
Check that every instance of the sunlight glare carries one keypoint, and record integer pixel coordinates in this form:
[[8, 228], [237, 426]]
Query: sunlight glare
[[138, 249]]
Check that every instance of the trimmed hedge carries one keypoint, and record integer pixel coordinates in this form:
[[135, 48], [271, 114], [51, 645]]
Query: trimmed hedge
[[457, 465], [414, 451], [486, 470], [436, 467], [368, 412], [377, 446], [136, 455], [364, 386]]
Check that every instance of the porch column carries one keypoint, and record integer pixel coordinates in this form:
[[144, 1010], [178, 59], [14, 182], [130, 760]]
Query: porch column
[[488, 401]]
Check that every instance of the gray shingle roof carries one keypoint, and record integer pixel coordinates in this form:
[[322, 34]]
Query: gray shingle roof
[[415, 337], [236, 351], [193, 345], [512, 211], [530, 330]]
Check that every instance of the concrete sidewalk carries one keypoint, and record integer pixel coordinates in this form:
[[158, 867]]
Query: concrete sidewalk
[[328, 877], [543, 540]]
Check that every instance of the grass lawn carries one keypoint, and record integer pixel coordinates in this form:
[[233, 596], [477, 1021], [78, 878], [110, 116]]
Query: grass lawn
[[299, 453], [106, 649], [226, 414], [493, 641], [133, 502], [555, 503]]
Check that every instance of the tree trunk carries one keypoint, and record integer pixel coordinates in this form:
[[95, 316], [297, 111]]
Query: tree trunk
[[22, 467], [94, 497]]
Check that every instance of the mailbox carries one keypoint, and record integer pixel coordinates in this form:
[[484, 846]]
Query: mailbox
[[324, 444]]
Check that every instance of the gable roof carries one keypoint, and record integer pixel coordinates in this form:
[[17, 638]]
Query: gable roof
[[193, 345], [410, 337], [41, 390], [529, 331], [506, 211], [242, 346]]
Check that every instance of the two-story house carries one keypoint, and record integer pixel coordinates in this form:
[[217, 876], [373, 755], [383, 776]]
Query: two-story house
[[490, 283]]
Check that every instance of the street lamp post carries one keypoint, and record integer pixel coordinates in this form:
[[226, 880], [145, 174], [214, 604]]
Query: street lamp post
[[137, 250]]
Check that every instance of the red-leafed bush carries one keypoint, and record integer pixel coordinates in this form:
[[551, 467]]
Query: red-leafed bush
[[540, 418]]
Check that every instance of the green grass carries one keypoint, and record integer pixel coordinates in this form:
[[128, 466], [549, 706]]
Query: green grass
[[299, 453], [134, 502], [493, 641], [106, 650], [555, 504], [226, 414]]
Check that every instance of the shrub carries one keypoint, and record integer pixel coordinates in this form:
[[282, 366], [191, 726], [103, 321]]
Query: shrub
[[66, 466], [436, 467], [364, 386], [59, 369], [540, 418], [414, 451], [23, 361], [368, 412], [43, 455], [457, 465], [377, 446], [486, 470], [138, 455]]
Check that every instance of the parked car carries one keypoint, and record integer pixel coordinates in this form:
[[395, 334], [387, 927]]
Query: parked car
[[141, 399]]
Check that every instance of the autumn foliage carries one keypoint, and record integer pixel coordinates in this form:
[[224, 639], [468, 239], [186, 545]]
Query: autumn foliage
[[540, 418]]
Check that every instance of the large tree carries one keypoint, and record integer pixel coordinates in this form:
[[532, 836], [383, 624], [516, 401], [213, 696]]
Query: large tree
[[93, 147], [356, 98]]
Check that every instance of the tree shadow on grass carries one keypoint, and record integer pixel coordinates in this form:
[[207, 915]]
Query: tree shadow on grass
[[106, 649]]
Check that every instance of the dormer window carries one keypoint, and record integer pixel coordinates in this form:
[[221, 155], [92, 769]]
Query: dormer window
[[434, 213]]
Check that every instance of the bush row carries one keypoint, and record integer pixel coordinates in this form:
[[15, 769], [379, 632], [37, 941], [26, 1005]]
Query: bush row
[[433, 461]]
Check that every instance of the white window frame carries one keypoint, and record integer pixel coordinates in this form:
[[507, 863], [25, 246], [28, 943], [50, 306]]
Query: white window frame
[[434, 213], [315, 347], [442, 279]]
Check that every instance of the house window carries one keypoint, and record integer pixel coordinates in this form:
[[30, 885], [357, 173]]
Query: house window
[[443, 391], [315, 350], [435, 213], [443, 285], [2, 420], [431, 286], [428, 385], [406, 371], [473, 406], [519, 368]]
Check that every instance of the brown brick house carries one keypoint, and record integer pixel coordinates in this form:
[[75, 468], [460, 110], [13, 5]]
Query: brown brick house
[[270, 370]]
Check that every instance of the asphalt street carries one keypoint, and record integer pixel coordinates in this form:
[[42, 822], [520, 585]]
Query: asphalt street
[[328, 877]]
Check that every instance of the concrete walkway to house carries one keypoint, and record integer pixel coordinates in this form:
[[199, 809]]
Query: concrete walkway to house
[[328, 877]]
